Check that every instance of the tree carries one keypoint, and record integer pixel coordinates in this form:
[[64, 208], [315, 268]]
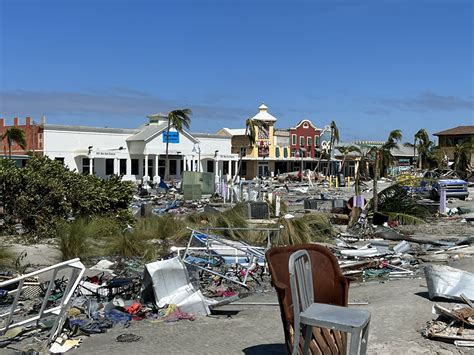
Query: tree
[[362, 170], [14, 134], [424, 146], [333, 141], [323, 154], [383, 153], [178, 119], [251, 127], [462, 157], [346, 150]]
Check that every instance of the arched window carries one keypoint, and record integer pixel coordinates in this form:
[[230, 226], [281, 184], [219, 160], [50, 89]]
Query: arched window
[[277, 152], [285, 152]]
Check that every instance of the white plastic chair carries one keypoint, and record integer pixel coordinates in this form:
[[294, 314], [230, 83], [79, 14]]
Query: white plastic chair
[[310, 314]]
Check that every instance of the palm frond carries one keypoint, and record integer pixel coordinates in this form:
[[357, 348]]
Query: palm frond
[[403, 218]]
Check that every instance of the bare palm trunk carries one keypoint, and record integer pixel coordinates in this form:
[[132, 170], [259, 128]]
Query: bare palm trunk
[[375, 200], [319, 162], [239, 165], [167, 162], [9, 150], [343, 162]]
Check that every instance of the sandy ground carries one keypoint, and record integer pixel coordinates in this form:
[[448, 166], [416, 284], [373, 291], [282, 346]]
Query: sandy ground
[[399, 308]]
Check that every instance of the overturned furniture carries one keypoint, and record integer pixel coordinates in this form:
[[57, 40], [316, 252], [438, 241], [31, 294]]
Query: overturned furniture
[[12, 319], [311, 314], [329, 287]]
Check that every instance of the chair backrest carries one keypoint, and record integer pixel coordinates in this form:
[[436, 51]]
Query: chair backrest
[[301, 281], [329, 285]]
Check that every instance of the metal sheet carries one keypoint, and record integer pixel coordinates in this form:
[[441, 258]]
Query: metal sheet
[[170, 284], [445, 281]]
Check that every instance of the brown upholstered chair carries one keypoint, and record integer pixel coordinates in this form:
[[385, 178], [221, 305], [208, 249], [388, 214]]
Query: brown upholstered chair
[[330, 287]]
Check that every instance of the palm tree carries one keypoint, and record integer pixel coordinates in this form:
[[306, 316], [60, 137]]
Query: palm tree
[[346, 150], [462, 157], [362, 170], [14, 134], [251, 134], [333, 141], [178, 119], [323, 154], [424, 146], [383, 153]]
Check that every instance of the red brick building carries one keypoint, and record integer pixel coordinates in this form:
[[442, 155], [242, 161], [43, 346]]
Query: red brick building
[[33, 136], [307, 136]]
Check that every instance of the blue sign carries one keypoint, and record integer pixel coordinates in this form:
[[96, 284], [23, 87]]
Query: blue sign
[[173, 137]]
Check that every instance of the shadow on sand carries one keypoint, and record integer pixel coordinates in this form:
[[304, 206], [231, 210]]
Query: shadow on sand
[[265, 349]]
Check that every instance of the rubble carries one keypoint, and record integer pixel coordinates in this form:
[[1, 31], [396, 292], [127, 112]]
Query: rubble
[[216, 266]]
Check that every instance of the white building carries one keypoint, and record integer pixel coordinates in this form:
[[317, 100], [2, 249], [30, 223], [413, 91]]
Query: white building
[[138, 154]]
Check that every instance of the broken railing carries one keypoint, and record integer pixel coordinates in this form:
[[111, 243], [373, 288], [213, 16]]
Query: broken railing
[[60, 310], [232, 252]]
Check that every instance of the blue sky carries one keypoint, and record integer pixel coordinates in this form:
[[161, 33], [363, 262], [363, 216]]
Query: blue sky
[[372, 66]]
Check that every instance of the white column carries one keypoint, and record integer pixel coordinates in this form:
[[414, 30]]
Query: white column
[[129, 166], [178, 167], [216, 167], [185, 162], [156, 164], [91, 166], [236, 166], [229, 163], [116, 166], [200, 166], [146, 166]]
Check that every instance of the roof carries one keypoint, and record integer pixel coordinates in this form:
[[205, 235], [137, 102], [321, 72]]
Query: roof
[[147, 133], [233, 131], [457, 131], [263, 114], [208, 135], [56, 127], [401, 151], [305, 120], [151, 131]]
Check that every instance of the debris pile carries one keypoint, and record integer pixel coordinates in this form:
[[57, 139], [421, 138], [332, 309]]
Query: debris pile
[[457, 323]]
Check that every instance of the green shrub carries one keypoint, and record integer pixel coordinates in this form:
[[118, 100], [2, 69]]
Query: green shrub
[[74, 239], [85, 237], [127, 245], [44, 193]]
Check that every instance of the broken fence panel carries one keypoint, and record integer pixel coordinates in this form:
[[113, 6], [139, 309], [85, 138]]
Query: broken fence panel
[[76, 271]]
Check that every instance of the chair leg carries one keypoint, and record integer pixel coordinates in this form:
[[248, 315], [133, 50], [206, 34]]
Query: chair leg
[[307, 338], [355, 342], [365, 339], [296, 338]]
